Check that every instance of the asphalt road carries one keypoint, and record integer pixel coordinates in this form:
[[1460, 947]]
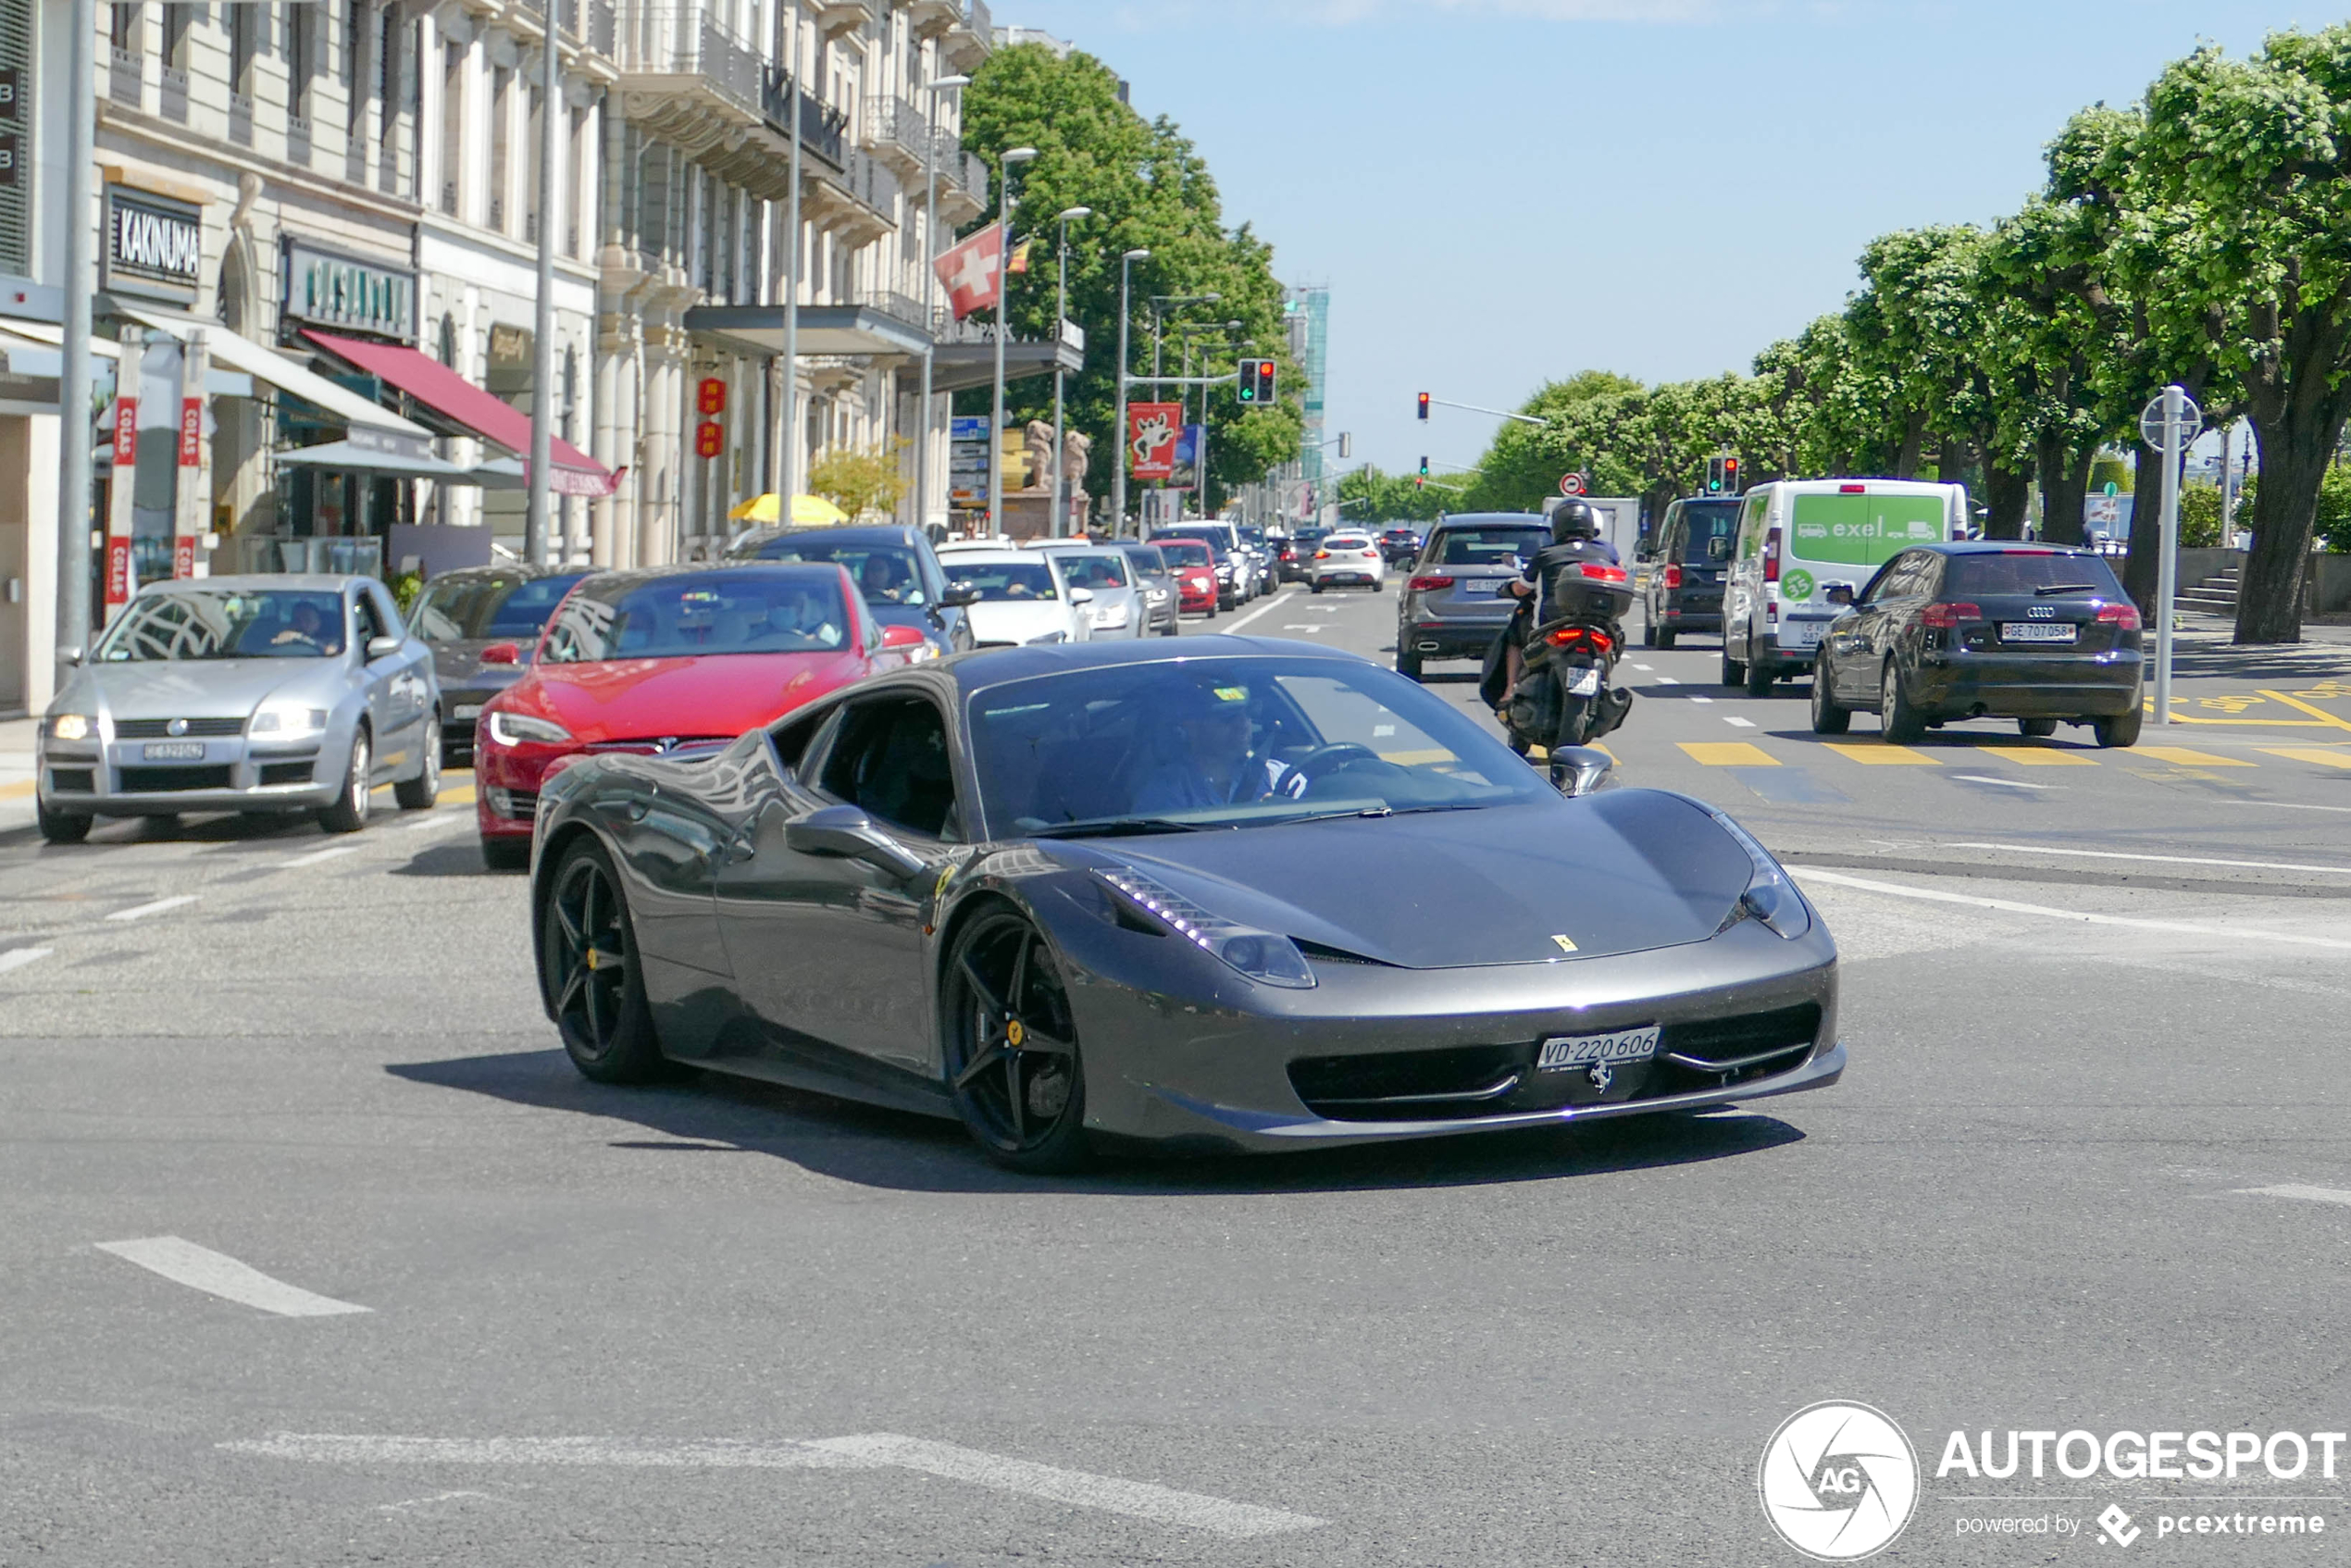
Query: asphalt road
[[2088, 1171]]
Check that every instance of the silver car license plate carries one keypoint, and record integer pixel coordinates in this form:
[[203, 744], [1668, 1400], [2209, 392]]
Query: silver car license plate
[[172, 751], [1564, 1051], [1481, 584], [466, 710], [2039, 631]]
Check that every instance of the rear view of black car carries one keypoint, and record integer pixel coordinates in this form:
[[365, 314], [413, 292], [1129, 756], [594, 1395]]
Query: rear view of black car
[[1686, 562], [1400, 546], [894, 567], [481, 623], [1944, 632]]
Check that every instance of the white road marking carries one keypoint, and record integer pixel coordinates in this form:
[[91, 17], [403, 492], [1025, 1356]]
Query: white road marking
[[140, 912], [17, 957], [2004, 783], [1742, 723], [1137, 1499], [2293, 805], [1694, 697], [1643, 668], [314, 856], [436, 1497], [2310, 1194], [1667, 680], [1273, 603], [2167, 859], [1810, 874], [200, 1268], [871, 1451], [439, 819], [1295, 627]]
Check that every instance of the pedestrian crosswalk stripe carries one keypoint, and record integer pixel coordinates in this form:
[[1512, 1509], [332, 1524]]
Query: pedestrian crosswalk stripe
[[1882, 755], [1729, 754], [2188, 759], [2039, 757], [2311, 753]]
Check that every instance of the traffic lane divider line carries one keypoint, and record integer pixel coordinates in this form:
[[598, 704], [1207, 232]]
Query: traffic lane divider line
[[2011, 906], [2160, 859], [2185, 757], [1882, 755], [2003, 783], [2307, 1194], [2310, 753], [1728, 753], [17, 957], [871, 1451], [140, 912], [216, 1274], [314, 856], [1273, 603], [1742, 723]]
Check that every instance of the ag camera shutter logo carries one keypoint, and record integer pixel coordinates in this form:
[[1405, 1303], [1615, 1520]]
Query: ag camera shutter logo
[[1839, 1481]]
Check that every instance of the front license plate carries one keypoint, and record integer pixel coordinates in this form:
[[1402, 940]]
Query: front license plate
[[1564, 1051], [2039, 631], [466, 710], [1586, 681], [173, 751]]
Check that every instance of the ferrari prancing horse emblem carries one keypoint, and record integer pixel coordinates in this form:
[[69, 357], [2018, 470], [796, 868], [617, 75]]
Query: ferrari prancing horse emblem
[[1013, 1032]]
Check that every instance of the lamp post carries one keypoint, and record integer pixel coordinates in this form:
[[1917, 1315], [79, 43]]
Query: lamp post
[[1067, 216], [73, 381], [1160, 304], [1118, 436], [538, 515], [930, 291], [788, 459], [1004, 206]]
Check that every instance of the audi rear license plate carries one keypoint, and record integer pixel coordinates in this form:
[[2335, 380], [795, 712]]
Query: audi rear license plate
[[2039, 631], [1564, 1051], [172, 751]]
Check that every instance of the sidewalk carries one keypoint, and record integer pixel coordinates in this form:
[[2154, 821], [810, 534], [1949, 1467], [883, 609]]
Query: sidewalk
[[16, 772]]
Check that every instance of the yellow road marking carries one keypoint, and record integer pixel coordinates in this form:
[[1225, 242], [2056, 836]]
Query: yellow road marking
[[2187, 758], [2314, 713], [1728, 753], [2311, 753], [2039, 757], [457, 797], [1881, 755], [16, 791]]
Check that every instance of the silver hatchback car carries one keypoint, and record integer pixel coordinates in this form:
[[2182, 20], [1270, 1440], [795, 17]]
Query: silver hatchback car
[[1449, 608], [261, 694]]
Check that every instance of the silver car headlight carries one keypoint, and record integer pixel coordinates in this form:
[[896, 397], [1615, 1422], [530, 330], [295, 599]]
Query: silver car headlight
[[1111, 615], [287, 721], [516, 730], [1769, 896], [1260, 955], [72, 727]]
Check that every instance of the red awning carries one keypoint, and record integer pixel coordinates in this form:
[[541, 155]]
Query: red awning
[[441, 389]]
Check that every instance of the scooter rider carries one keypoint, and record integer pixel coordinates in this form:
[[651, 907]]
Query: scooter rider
[[1575, 539]]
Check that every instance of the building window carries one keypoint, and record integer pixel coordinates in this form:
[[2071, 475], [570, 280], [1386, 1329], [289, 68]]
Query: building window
[[302, 48], [449, 340], [355, 78], [502, 100], [240, 19], [175, 35], [534, 208], [387, 95], [452, 126], [123, 30], [571, 390]]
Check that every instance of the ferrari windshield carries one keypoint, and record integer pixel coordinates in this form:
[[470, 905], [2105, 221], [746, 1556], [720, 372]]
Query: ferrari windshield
[[1229, 742], [221, 623], [733, 610]]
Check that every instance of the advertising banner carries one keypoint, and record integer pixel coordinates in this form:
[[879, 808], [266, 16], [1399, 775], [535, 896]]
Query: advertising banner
[[123, 482], [192, 497], [1189, 447], [1151, 432]]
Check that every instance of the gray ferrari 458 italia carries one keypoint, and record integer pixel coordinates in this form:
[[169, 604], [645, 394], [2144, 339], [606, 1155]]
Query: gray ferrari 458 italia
[[1231, 894]]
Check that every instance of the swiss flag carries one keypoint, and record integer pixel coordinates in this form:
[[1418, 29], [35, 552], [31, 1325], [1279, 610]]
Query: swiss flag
[[973, 271]]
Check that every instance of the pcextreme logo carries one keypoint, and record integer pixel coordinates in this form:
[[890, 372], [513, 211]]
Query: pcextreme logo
[[1838, 1481]]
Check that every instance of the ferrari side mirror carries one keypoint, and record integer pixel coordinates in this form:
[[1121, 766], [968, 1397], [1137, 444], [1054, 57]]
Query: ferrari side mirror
[[847, 833]]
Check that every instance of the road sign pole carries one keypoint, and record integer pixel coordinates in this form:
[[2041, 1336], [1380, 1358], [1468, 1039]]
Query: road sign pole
[[2166, 570]]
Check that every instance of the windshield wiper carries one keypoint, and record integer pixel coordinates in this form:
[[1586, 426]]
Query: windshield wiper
[[2050, 587], [1120, 826]]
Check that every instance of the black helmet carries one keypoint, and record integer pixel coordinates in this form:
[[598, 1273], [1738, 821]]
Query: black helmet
[[1573, 519]]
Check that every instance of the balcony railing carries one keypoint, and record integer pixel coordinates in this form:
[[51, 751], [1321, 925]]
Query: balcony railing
[[599, 31], [240, 120], [896, 130], [823, 130], [125, 83], [960, 170], [174, 96], [690, 42]]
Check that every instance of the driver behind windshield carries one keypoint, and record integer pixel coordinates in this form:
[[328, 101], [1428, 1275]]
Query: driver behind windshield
[[1210, 763], [883, 580], [308, 625]]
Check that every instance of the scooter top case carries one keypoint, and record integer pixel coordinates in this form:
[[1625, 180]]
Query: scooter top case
[[1587, 590]]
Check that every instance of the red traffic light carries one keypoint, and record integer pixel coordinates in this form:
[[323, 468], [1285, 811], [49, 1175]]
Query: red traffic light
[[1423, 406]]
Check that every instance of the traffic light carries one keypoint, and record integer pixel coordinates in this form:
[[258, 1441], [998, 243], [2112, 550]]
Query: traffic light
[[1257, 380], [1423, 406], [1264, 380], [1424, 475], [1714, 476], [1730, 476]]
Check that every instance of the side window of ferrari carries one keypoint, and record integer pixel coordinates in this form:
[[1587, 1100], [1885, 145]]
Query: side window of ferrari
[[791, 740], [892, 759]]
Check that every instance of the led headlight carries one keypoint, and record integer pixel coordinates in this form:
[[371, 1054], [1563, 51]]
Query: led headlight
[[1769, 896], [1111, 615], [287, 720], [1260, 956], [72, 727], [516, 730]]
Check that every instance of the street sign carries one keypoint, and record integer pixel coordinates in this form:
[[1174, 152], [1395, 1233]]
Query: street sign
[[2151, 421], [2113, 488], [1571, 484]]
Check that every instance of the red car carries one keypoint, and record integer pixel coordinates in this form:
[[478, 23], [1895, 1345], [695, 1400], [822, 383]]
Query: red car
[[648, 661], [1195, 571]]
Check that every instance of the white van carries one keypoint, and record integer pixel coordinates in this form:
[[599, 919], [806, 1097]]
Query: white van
[[1800, 538]]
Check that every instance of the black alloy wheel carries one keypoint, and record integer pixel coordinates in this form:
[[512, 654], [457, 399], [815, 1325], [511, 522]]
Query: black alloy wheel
[[589, 966], [1011, 1047], [1829, 716]]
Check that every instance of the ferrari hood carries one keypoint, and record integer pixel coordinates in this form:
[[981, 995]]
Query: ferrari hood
[[1615, 873], [713, 694]]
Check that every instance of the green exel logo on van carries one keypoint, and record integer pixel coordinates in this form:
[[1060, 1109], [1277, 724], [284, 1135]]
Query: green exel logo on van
[[1796, 585]]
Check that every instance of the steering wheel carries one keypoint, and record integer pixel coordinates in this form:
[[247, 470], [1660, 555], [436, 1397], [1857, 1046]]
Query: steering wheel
[[1330, 759]]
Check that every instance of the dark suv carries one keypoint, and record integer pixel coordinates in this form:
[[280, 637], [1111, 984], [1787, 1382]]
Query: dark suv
[[1400, 546], [1449, 608], [1686, 560]]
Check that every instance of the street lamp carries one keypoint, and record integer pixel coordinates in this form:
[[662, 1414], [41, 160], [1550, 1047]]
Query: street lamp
[[1119, 470], [1004, 204], [1067, 216], [1185, 330], [930, 291], [1159, 310]]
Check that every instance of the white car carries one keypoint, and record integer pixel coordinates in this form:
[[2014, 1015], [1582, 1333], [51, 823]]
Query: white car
[[1347, 558], [1119, 608], [1022, 597]]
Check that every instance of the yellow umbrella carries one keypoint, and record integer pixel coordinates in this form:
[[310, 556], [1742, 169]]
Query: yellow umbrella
[[804, 509]]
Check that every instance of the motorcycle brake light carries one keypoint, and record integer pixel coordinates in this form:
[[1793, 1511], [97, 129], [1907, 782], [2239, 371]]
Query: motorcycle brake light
[[2125, 617], [1673, 574], [1771, 556], [1943, 618], [1595, 571], [1424, 584]]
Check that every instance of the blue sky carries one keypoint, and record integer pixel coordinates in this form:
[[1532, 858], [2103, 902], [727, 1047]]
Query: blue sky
[[1503, 192]]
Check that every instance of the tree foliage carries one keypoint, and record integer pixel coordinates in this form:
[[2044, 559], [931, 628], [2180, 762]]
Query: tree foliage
[[860, 480]]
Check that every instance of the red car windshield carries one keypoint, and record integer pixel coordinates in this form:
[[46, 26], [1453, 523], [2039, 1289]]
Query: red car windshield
[[689, 613], [1184, 552]]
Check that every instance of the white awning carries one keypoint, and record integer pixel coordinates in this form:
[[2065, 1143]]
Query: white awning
[[242, 353]]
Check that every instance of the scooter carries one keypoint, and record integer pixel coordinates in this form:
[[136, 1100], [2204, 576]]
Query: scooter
[[1563, 698]]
